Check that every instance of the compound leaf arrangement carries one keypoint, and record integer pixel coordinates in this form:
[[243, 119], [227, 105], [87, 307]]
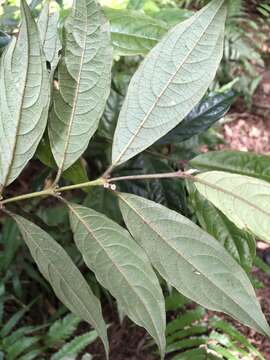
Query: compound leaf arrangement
[[149, 239]]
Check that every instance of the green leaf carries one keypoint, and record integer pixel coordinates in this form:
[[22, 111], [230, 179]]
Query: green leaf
[[234, 334], [13, 321], [24, 99], [209, 110], [244, 200], [66, 280], [240, 244], [62, 329], [4, 40], [11, 241], [170, 82], [168, 192], [240, 162], [104, 201], [20, 346], [122, 267], [75, 346], [84, 82], [134, 33], [109, 118], [76, 173], [186, 344], [196, 354], [49, 37], [185, 320], [192, 261], [172, 16], [190, 331]]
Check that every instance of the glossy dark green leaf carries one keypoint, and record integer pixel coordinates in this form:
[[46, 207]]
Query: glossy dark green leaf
[[103, 201], [65, 278], [169, 192], [109, 118], [134, 33], [4, 40], [240, 244], [240, 162], [209, 110]]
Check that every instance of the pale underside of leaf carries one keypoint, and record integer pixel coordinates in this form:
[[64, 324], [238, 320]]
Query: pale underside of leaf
[[67, 281], [49, 37], [122, 267], [243, 199], [240, 244], [84, 83], [192, 261], [24, 99], [170, 82]]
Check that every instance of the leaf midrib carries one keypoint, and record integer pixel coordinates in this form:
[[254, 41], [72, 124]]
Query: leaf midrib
[[163, 239], [230, 193], [135, 133], [75, 102], [80, 219], [21, 99]]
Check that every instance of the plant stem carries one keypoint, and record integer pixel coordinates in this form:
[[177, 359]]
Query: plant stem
[[177, 174], [99, 182], [53, 191]]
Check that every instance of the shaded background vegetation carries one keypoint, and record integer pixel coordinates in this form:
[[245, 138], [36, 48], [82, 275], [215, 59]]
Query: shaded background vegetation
[[34, 325]]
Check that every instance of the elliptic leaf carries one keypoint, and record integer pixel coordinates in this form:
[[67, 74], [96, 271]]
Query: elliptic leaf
[[244, 200], [240, 162], [170, 82], [66, 280], [192, 261], [209, 110], [24, 98], [49, 37], [240, 244], [134, 33], [122, 267], [84, 82]]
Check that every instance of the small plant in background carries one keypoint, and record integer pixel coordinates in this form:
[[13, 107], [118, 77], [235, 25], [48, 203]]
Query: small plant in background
[[31, 342], [131, 221]]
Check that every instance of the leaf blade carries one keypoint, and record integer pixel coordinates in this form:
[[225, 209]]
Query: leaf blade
[[67, 281], [24, 97], [198, 266], [84, 83], [133, 33], [240, 244], [122, 268], [240, 162], [243, 199], [49, 37], [207, 112], [154, 91]]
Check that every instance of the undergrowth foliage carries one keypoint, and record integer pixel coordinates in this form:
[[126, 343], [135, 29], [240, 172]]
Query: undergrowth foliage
[[64, 87]]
